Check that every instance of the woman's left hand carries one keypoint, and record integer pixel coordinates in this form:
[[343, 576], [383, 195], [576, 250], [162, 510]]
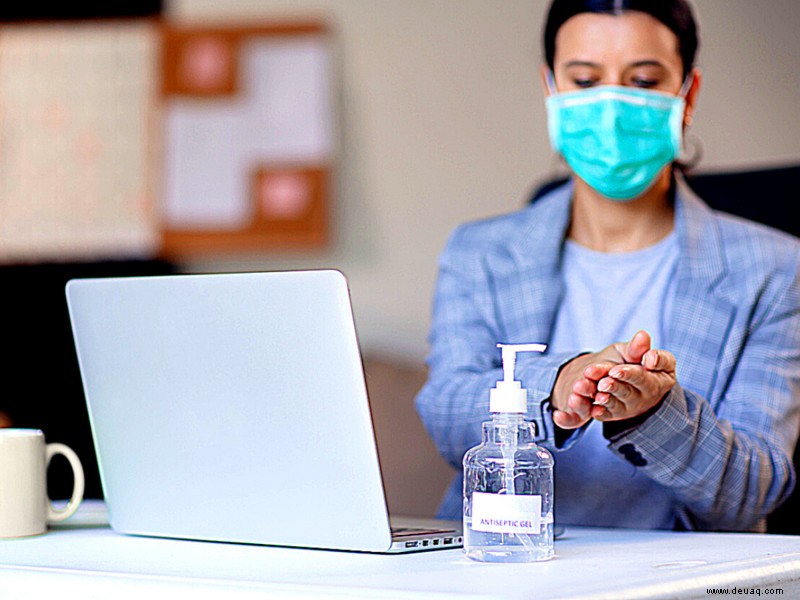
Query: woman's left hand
[[630, 389]]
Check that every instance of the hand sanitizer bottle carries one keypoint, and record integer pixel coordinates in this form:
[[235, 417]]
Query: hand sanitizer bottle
[[508, 479]]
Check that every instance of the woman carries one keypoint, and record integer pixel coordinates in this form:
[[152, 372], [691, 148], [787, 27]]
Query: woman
[[669, 390]]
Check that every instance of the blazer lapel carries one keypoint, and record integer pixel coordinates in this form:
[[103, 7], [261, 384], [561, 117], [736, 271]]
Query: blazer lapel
[[527, 280], [701, 316]]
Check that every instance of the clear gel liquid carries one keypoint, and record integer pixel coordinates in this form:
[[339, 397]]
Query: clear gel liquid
[[509, 547]]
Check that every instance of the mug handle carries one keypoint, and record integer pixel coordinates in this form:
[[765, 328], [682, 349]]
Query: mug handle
[[53, 515]]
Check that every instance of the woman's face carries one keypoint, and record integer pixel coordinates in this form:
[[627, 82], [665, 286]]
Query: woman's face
[[631, 49]]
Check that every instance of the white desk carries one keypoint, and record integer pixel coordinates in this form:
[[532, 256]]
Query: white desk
[[84, 559]]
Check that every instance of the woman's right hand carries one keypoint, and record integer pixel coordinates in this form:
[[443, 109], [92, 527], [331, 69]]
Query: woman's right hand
[[574, 392]]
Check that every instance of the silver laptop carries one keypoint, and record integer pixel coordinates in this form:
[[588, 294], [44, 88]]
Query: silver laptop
[[233, 407]]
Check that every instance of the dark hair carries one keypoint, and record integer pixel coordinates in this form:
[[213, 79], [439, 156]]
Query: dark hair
[[675, 14]]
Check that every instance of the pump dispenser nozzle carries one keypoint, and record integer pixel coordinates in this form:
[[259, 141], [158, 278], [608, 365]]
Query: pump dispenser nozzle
[[508, 396]]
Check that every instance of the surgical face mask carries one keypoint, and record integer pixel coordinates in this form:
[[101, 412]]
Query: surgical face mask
[[617, 139]]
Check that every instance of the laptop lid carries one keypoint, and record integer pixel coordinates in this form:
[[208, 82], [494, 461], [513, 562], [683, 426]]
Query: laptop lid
[[231, 407]]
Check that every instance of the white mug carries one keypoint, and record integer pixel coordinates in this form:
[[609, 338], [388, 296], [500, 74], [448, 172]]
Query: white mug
[[25, 508]]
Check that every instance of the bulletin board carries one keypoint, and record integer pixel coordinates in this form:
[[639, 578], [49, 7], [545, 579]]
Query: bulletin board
[[78, 142], [135, 137], [248, 138]]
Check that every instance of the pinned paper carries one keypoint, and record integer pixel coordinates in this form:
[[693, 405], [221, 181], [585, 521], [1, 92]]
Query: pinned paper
[[284, 195]]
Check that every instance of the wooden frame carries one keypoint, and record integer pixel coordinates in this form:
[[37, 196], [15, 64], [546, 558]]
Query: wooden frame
[[288, 199]]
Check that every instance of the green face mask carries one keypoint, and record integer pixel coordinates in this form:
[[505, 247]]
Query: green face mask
[[617, 139]]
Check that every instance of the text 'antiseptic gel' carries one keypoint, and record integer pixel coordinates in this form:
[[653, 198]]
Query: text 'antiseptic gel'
[[508, 479]]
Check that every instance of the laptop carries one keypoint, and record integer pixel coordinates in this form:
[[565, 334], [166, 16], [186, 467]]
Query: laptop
[[233, 408]]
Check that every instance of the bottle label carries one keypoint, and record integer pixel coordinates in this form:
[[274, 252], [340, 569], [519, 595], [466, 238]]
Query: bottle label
[[506, 513]]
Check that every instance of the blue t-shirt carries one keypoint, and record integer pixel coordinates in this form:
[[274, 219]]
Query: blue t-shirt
[[607, 298]]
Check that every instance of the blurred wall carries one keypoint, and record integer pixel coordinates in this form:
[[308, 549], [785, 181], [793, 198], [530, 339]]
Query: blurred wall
[[441, 120]]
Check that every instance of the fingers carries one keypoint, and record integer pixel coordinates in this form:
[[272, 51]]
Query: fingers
[[629, 390], [659, 360], [596, 371], [627, 379], [610, 402], [585, 387], [578, 409], [633, 375], [606, 407], [640, 343], [567, 420], [619, 388], [626, 384], [580, 405]]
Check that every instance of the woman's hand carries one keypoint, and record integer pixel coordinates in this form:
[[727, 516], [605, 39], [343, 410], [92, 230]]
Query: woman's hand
[[622, 381]]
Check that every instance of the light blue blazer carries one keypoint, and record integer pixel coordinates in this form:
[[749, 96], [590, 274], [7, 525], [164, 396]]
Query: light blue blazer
[[722, 440]]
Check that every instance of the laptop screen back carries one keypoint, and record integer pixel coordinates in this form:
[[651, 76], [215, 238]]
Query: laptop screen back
[[231, 407]]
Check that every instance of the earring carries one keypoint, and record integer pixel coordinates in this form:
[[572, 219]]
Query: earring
[[692, 151]]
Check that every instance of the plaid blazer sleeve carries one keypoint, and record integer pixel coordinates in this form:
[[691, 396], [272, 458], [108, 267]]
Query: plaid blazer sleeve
[[464, 362], [722, 440]]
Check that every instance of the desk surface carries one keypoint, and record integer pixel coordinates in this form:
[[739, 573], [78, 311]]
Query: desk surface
[[83, 558]]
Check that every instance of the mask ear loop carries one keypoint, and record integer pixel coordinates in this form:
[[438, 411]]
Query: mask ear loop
[[691, 161], [550, 79], [687, 85], [684, 91], [559, 166]]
